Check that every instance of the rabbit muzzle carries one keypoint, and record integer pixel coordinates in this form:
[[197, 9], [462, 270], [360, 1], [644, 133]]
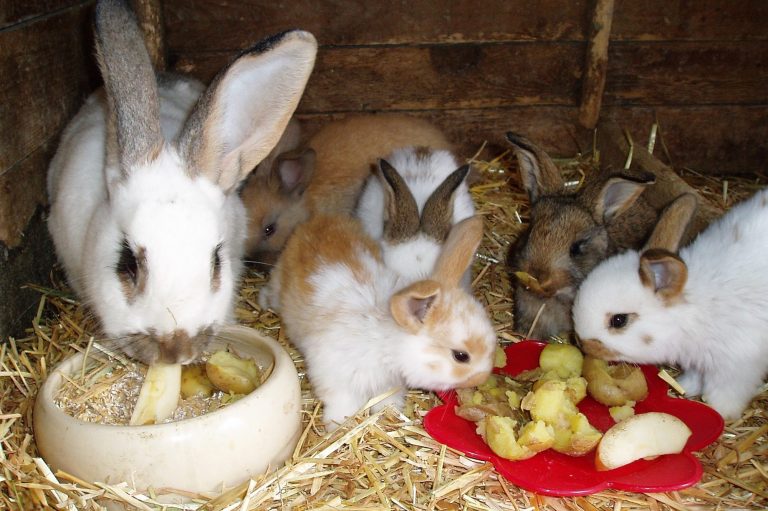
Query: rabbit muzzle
[[597, 349], [475, 380], [176, 347]]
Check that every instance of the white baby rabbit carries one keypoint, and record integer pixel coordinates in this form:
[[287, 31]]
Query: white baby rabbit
[[361, 332], [323, 175], [144, 214], [410, 204], [706, 310]]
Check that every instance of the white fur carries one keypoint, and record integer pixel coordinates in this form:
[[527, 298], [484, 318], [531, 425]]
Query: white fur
[[413, 259], [718, 332]]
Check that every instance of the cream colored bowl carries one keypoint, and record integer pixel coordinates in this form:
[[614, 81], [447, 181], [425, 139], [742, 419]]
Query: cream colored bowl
[[203, 454]]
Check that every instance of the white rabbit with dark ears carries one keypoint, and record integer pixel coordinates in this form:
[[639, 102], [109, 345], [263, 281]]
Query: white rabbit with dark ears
[[144, 215]]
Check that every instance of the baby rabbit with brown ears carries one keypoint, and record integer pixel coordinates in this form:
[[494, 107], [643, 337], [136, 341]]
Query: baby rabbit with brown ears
[[569, 234], [705, 309], [362, 332]]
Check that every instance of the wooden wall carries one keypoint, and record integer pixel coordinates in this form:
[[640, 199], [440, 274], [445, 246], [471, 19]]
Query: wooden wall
[[481, 68], [45, 70]]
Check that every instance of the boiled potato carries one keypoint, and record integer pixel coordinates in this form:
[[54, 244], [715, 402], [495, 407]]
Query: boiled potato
[[194, 382], [564, 359], [499, 434], [232, 374], [499, 395], [614, 385], [619, 413], [644, 435]]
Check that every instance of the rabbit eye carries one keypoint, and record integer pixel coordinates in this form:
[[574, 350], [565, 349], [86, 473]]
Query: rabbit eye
[[619, 321], [577, 248], [461, 357], [128, 265], [216, 267], [269, 230]]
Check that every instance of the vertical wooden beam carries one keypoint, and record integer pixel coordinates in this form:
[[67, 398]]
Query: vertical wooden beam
[[596, 64], [150, 16]]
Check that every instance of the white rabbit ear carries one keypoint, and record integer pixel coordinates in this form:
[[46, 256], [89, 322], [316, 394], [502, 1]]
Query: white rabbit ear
[[410, 306], [538, 173], [673, 223], [242, 115], [134, 134], [664, 273], [458, 252], [618, 194], [437, 216], [292, 171], [401, 211]]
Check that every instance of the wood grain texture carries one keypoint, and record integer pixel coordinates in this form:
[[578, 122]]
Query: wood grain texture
[[197, 24], [596, 64], [47, 70], [19, 11]]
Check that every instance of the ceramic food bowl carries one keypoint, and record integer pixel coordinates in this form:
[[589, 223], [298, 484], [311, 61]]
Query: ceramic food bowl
[[203, 454]]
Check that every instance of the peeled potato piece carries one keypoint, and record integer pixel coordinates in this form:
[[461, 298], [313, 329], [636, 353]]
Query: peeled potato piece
[[499, 434], [194, 382], [644, 435], [232, 374], [159, 395], [614, 385], [565, 360]]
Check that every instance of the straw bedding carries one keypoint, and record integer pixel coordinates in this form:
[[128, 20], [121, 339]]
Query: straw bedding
[[375, 461]]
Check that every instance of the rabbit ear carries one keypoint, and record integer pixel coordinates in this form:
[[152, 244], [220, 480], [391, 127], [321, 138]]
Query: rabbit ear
[[134, 134], [242, 115], [291, 171], [402, 211], [538, 172], [664, 273], [673, 223], [437, 216], [458, 251], [617, 195], [409, 306]]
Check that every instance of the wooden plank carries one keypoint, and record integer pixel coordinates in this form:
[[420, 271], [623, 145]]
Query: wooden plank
[[691, 73], [47, 69], [593, 82], [15, 11], [736, 144], [197, 24], [22, 191], [453, 76]]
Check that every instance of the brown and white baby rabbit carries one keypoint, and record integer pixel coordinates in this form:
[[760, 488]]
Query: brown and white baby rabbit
[[705, 310], [326, 176], [569, 233], [361, 332]]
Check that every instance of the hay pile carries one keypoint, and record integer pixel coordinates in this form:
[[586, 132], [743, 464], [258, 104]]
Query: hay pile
[[380, 461]]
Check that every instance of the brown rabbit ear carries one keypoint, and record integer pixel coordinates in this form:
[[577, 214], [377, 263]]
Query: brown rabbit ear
[[437, 217], [673, 223], [134, 134], [664, 273], [617, 195], [402, 212], [538, 172], [410, 306], [458, 251], [292, 171]]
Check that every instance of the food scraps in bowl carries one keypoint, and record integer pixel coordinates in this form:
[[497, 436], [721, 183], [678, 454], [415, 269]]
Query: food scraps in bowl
[[113, 390]]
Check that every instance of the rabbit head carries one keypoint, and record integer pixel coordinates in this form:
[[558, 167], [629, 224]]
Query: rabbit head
[[452, 340], [162, 256], [569, 233], [621, 309]]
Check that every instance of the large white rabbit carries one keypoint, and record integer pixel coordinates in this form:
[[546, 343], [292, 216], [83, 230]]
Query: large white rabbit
[[706, 310], [145, 214]]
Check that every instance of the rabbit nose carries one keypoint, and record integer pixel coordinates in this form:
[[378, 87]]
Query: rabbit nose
[[176, 348]]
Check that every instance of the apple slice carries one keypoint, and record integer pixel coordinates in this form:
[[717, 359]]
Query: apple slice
[[159, 395], [644, 435]]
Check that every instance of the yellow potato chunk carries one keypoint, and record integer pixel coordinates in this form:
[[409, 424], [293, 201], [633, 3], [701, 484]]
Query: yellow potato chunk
[[194, 382], [499, 434], [232, 374], [564, 359], [614, 385]]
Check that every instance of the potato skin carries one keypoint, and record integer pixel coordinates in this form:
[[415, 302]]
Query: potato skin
[[232, 374], [614, 385]]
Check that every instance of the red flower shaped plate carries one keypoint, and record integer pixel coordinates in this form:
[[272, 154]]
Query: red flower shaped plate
[[552, 473]]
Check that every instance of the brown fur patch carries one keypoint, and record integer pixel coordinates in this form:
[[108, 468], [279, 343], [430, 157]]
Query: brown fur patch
[[597, 349], [647, 339], [131, 289], [174, 347], [437, 216], [673, 277]]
